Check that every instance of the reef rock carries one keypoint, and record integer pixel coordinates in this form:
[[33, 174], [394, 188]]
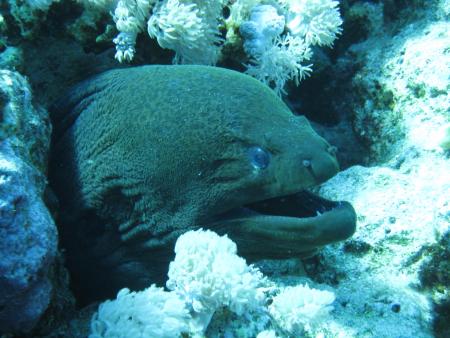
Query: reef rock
[[28, 233]]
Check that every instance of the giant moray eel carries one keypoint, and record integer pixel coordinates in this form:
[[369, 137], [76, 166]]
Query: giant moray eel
[[141, 155]]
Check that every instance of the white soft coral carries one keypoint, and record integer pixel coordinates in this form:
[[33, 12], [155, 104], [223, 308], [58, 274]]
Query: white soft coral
[[317, 21], [130, 17], [264, 25], [208, 274], [283, 60], [149, 313], [299, 308], [190, 28], [278, 55]]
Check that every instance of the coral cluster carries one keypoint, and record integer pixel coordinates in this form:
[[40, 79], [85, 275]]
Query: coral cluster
[[277, 35], [205, 277]]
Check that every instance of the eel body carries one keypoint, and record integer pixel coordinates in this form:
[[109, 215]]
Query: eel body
[[141, 155]]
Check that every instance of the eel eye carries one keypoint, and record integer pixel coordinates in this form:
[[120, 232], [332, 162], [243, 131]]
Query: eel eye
[[259, 158]]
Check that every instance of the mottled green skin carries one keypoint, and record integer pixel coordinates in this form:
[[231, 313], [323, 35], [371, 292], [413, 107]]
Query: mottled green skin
[[143, 154]]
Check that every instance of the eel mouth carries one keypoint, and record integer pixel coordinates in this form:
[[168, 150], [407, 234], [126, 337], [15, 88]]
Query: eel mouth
[[296, 224], [303, 204]]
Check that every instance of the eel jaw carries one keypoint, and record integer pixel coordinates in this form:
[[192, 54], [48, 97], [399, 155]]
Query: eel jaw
[[286, 226]]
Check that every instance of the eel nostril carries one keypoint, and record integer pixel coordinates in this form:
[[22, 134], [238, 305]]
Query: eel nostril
[[332, 150]]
